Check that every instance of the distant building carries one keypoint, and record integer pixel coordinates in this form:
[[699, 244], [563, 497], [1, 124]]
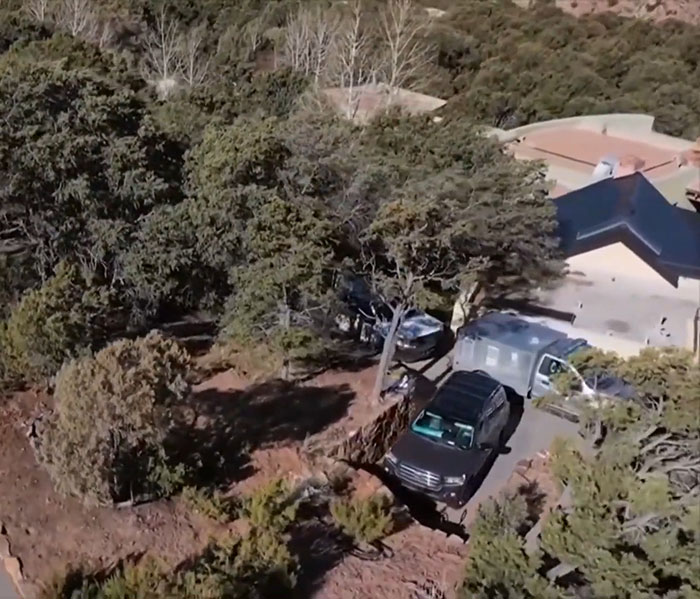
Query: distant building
[[363, 102], [581, 150]]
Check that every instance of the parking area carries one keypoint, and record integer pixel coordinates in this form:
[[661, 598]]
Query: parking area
[[531, 431]]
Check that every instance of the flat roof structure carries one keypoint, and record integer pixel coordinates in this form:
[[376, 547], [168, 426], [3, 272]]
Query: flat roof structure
[[581, 150], [573, 147], [365, 101]]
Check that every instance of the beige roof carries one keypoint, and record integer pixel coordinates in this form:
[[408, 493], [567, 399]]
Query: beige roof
[[365, 101], [581, 150]]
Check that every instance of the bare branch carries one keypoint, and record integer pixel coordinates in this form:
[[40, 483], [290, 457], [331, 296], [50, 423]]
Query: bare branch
[[407, 54], [352, 59], [161, 65], [309, 42], [194, 63], [78, 18], [39, 10]]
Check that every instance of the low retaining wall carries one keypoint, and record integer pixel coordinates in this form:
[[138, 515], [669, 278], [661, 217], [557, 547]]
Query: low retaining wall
[[366, 444]]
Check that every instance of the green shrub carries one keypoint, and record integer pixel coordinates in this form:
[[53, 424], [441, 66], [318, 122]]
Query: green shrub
[[256, 565], [210, 504], [271, 507], [114, 410], [365, 520], [49, 325], [146, 580]]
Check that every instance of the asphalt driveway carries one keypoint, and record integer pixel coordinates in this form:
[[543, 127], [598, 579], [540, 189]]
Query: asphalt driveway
[[531, 431]]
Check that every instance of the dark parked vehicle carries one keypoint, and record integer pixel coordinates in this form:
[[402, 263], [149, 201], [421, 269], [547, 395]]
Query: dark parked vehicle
[[452, 438], [419, 335]]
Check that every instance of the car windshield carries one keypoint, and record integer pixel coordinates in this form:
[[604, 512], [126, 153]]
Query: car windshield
[[443, 430], [576, 348]]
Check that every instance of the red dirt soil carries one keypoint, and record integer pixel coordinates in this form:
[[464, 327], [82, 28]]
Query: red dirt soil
[[48, 532]]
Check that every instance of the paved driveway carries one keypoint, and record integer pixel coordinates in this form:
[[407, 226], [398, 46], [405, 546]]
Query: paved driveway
[[531, 430]]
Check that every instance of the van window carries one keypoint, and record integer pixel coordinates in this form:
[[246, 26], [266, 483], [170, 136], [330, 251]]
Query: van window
[[491, 355], [551, 366]]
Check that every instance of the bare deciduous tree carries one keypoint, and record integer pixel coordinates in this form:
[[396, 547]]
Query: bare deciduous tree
[[310, 37], [353, 58], [40, 10], [78, 18], [162, 55], [407, 55], [193, 62]]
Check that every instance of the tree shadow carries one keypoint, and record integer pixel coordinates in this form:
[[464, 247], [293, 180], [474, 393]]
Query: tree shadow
[[319, 548], [340, 355], [534, 500], [422, 509], [225, 426]]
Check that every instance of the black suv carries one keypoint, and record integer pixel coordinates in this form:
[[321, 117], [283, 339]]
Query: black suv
[[452, 438]]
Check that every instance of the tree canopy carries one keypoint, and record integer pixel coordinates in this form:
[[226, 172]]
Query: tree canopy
[[631, 525]]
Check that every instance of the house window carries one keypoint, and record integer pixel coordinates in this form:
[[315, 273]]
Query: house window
[[491, 356]]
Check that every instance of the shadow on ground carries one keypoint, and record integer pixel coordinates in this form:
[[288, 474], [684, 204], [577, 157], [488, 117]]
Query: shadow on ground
[[320, 548], [223, 427]]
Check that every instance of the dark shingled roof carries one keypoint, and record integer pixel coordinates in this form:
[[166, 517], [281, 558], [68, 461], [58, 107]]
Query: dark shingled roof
[[630, 210]]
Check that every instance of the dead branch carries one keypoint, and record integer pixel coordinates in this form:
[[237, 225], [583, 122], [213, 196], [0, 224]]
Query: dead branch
[[78, 18], [309, 40], [39, 10], [352, 59], [193, 62], [161, 63], [407, 54]]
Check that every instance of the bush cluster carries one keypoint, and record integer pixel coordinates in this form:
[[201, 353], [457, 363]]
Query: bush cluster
[[366, 520], [114, 410], [49, 325]]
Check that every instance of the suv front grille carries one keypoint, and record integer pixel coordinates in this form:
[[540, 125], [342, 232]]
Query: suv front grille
[[419, 477]]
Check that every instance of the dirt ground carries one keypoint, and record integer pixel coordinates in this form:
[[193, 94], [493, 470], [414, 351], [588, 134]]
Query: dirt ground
[[657, 10], [49, 532], [422, 557]]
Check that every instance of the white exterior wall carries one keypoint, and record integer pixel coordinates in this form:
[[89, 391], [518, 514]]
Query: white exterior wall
[[619, 302]]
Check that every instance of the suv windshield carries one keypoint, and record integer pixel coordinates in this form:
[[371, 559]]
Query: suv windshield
[[449, 432]]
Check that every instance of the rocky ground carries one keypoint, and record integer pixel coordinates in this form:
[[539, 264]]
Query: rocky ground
[[656, 10]]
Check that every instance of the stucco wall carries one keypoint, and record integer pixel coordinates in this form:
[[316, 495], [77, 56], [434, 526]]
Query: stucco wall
[[614, 293]]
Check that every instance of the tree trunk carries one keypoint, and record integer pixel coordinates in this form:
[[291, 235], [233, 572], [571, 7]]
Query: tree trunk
[[387, 353], [286, 324]]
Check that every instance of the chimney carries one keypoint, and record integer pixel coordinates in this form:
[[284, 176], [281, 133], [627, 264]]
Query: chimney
[[628, 165]]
